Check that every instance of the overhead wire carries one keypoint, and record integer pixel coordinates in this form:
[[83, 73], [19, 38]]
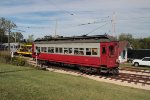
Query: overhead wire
[[134, 18], [65, 11], [95, 22], [28, 27], [39, 27], [96, 28], [89, 23]]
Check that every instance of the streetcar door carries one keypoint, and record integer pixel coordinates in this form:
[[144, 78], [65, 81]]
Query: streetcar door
[[103, 54]]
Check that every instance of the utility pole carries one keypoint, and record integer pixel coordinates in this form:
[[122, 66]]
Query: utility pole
[[113, 24], [1, 30], [55, 29], [9, 37], [15, 36]]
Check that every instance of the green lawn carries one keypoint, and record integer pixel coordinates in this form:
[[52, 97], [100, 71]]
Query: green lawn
[[26, 83]]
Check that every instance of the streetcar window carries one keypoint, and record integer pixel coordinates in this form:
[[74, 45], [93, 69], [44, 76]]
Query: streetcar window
[[70, 50], [103, 50], [111, 50], [60, 50], [50, 49], [43, 49], [88, 51], [28, 49], [66, 51], [81, 48], [94, 51], [81, 51], [56, 50], [76, 51], [38, 49]]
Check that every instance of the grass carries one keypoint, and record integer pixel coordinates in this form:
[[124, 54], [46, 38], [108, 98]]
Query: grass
[[130, 65], [26, 83], [5, 56]]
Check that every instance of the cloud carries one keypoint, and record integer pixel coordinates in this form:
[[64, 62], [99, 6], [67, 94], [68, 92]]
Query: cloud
[[70, 14]]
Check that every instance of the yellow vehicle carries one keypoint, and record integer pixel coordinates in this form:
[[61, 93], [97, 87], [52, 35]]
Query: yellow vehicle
[[25, 50]]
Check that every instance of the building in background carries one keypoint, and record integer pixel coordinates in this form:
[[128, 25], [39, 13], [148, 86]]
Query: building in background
[[123, 50], [13, 47]]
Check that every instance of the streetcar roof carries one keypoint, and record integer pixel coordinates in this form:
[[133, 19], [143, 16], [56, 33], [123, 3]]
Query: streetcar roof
[[78, 39]]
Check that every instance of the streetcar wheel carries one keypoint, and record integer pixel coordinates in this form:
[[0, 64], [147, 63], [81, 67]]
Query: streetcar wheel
[[115, 71]]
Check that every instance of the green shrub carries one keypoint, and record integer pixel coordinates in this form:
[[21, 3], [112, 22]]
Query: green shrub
[[19, 61], [5, 56]]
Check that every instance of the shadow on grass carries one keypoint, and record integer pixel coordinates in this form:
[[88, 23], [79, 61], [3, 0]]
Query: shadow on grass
[[15, 71]]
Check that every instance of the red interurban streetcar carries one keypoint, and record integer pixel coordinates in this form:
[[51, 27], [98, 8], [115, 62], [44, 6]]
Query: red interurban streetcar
[[97, 53]]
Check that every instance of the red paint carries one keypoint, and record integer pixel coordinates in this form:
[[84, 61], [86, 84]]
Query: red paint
[[111, 59], [71, 59], [105, 59], [103, 54]]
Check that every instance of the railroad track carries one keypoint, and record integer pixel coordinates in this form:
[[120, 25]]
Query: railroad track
[[127, 77], [131, 78], [137, 70]]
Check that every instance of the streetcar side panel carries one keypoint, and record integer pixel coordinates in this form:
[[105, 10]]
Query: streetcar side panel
[[87, 54], [105, 53]]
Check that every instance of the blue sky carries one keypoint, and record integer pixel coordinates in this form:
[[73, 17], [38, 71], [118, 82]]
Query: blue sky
[[78, 17]]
